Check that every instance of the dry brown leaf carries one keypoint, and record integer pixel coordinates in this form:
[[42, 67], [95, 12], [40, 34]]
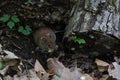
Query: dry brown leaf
[[51, 72], [31, 75], [63, 73], [24, 77], [39, 68], [53, 63], [4, 70], [11, 62], [102, 65], [7, 78], [45, 77]]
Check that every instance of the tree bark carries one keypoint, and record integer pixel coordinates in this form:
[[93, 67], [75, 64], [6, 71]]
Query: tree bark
[[98, 15]]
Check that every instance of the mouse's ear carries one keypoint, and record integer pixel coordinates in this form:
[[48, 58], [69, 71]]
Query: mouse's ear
[[52, 35]]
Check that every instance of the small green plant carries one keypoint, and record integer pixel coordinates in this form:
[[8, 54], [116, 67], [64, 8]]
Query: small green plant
[[25, 30], [78, 40], [12, 20], [5, 18]]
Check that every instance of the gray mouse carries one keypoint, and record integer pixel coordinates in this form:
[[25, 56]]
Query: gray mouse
[[45, 38]]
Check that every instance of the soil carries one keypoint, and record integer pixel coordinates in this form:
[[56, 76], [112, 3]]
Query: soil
[[56, 17]]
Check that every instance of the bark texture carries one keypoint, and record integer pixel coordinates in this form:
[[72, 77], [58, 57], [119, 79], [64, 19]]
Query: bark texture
[[99, 15]]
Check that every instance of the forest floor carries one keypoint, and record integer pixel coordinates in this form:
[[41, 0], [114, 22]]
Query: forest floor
[[21, 60]]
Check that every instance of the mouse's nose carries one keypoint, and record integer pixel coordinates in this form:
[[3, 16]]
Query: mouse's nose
[[50, 50]]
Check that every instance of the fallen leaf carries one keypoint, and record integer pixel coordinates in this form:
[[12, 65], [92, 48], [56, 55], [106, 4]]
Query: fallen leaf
[[10, 54], [7, 78], [86, 77], [63, 73], [115, 73], [102, 65], [24, 77], [39, 68], [11, 62], [45, 76], [4, 70], [31, 75], [54, 64], [51, 72], [8, 60]]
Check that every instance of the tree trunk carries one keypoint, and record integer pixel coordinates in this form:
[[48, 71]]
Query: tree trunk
[[98, 15]]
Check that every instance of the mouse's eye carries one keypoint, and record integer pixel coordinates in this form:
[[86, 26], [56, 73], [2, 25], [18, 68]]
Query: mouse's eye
[[49, 35], [48, 45]]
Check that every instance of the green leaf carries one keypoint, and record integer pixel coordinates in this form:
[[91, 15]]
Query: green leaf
[[1, 64], [10, 24], [25, 32], [15, 19], [27, 27], [78, 41], [20, 29], [5, 18], [82, 41], [74, 37]]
